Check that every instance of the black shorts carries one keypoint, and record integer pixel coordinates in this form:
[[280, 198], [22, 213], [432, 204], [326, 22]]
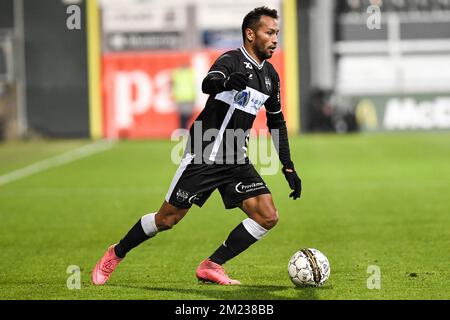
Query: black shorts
[[194, 183]]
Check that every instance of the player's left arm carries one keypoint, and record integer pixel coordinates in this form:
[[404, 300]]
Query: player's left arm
[[278, 130]]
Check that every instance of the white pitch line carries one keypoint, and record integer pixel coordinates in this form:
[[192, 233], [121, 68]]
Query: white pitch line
[[67, 157]]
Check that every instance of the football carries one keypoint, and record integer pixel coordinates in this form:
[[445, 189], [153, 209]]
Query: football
[[309, 268]]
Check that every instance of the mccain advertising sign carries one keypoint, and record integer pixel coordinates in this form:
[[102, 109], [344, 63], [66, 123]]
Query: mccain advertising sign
[[403, 112]]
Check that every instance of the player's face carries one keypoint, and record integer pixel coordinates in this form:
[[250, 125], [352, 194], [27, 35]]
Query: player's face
[[266, 37]]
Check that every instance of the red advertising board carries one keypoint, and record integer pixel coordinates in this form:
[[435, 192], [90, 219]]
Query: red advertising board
[[137, 91]]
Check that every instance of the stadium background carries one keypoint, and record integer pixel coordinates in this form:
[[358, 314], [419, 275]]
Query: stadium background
[[375, 73], [112, 76]]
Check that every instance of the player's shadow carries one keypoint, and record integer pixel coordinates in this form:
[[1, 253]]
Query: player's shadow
[[241, 292]]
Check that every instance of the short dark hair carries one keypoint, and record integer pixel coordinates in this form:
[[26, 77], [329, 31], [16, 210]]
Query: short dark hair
[[252, 18]]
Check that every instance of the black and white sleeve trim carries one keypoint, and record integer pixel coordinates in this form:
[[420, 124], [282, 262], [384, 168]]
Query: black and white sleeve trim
[[220, 72], [276, 112]]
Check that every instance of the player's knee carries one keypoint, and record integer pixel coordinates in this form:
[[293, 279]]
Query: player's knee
[[270, 219], [167, 222]]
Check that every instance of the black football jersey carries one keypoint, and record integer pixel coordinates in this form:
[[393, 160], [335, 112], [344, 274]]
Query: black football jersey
[[220, 133]]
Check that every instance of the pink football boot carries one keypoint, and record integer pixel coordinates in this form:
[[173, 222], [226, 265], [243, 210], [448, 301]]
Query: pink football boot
[[209, 271], [105, 266]]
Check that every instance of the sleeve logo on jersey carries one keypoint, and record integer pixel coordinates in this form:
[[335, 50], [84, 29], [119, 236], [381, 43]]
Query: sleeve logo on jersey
[[242, 98], [268, 83]]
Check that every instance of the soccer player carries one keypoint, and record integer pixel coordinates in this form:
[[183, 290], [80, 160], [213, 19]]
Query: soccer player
[[239, 83]]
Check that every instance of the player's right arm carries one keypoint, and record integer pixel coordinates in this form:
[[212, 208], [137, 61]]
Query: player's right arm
[[222, 77]]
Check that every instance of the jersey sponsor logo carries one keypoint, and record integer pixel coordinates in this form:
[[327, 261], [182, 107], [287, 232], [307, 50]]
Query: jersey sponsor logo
[[248, 65], [250, 100], [256, 104], [249, 187], [182, 195], [268, 83], [242, 98]]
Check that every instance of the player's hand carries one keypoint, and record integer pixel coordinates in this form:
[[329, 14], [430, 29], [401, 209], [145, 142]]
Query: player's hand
[[236, 81], [295, 183]]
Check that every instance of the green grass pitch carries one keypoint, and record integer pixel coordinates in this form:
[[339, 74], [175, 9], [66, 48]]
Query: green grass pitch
[[368, 200]]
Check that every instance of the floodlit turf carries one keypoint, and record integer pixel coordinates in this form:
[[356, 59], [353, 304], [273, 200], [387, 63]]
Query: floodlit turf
[[14, 155], [368, 200]]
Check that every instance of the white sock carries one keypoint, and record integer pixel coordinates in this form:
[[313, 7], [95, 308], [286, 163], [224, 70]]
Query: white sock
[[254, 228], [149, 225]]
